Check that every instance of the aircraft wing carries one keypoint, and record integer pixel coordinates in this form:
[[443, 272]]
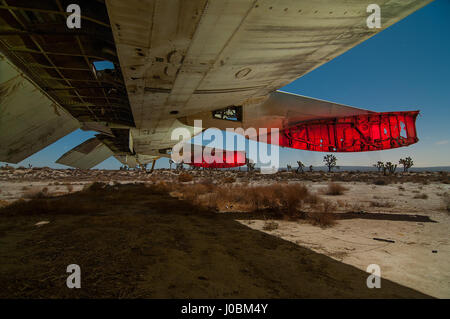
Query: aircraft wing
[[180, 58], [171, 60]]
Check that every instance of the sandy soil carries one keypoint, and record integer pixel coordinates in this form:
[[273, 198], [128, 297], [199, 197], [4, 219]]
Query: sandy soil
[[235, 261], [132, 242], [420, 256]]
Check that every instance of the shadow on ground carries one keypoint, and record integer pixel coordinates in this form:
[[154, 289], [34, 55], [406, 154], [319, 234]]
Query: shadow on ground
[[268, 214], [133, 241]]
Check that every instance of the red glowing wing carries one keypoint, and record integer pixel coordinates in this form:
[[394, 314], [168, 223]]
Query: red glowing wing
[[359, 133], [316, 125]]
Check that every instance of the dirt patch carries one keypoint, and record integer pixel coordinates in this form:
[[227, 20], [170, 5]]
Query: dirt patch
[[133, 241]]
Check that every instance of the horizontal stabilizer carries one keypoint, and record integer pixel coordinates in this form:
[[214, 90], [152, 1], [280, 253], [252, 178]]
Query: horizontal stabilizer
[[86, 155]]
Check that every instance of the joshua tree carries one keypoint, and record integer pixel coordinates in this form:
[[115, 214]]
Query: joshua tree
[[379, 165], [179, 166], [407, 163], [330, 161], [250, 165], [311, 168], [300, 166], [389, 167], [289, 167]]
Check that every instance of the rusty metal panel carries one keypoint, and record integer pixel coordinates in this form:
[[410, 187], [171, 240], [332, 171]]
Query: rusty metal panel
[[86, 155], [29, 120]]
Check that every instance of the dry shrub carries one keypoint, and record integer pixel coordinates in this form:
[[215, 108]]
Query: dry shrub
[[446, 201], [229, 179], [36, 192], [285, 198], [94, 187], [69, 188], [270, 225], [185, 177], [162, 187], [380, 182], [206, 181], [357, 207], [421, 196], [312, 199], [381, 204], [210, 200], [293, 196], [321, 219], [324, 215], [341, 203], [335, 189], [194, 191]]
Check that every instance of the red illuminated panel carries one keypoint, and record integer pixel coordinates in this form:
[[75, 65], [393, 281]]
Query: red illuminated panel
[[228, 159], [372, 132]]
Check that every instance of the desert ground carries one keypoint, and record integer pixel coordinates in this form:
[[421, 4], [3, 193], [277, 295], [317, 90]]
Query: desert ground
[[230, 234]]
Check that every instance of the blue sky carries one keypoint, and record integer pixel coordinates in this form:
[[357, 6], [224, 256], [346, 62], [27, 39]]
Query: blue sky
[[405, 67]]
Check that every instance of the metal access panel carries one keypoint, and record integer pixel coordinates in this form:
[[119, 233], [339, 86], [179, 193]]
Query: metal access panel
[[29, 120]]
